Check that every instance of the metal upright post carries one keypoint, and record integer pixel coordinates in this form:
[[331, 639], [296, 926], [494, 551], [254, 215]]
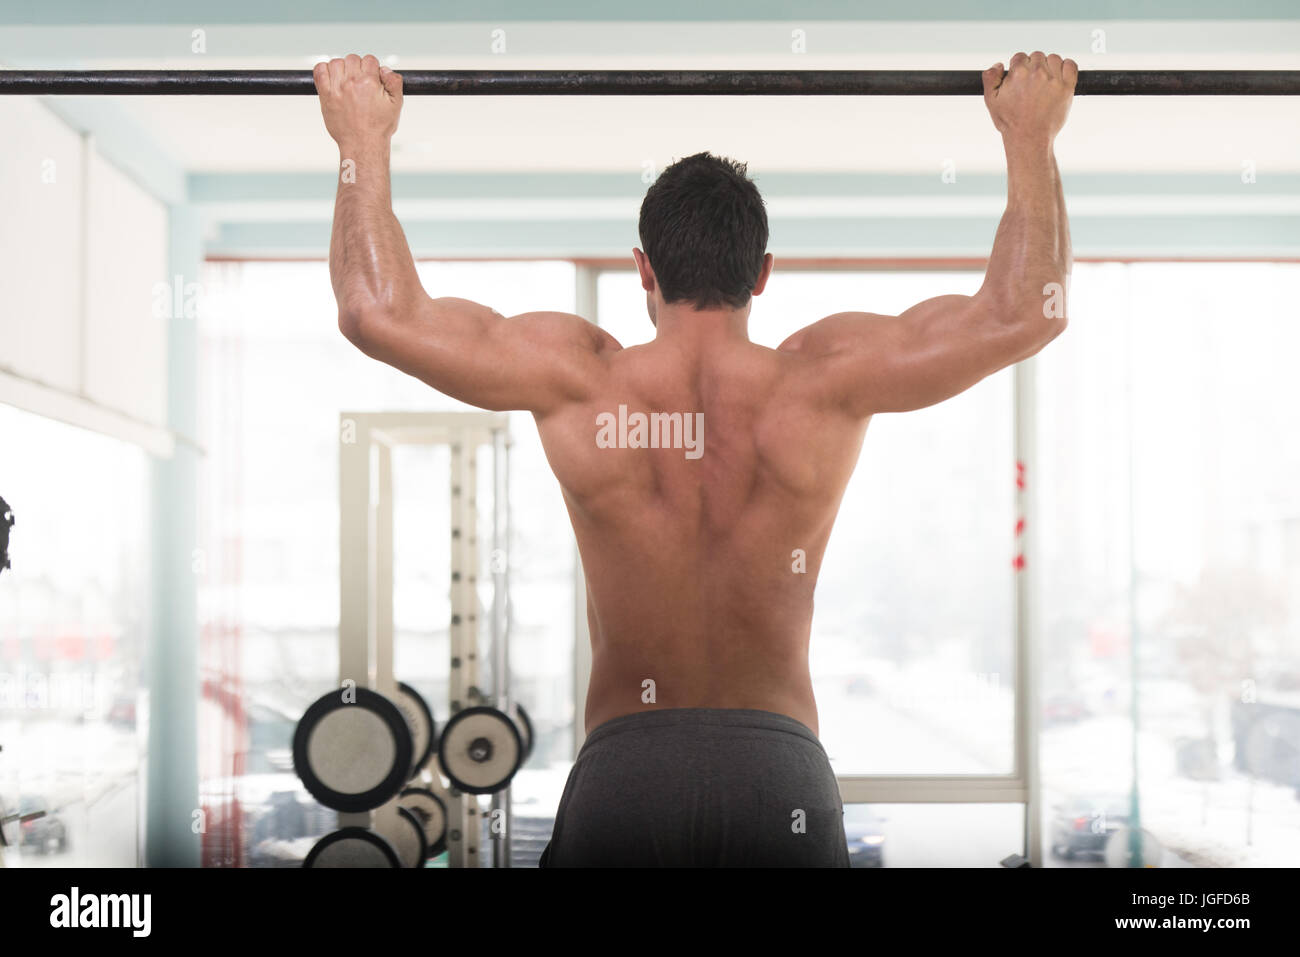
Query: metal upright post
[[1135, 849], [456, 817], [1026, 637], [355, 564], [383, 818], [499, 564], [464, 826], [586, 304]]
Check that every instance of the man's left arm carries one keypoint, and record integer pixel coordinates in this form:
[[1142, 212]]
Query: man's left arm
[[536, 361]]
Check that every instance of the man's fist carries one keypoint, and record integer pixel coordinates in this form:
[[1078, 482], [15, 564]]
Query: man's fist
[[359, 99], [1033, 97]]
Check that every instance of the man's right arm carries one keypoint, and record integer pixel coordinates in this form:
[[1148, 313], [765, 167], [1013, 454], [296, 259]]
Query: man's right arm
[[868, 363]]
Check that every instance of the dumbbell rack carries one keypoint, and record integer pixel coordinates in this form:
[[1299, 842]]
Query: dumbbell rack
[[367, 441]]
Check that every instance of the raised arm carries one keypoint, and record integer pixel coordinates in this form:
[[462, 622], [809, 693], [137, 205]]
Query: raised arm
[[866, 363], [536, 361]]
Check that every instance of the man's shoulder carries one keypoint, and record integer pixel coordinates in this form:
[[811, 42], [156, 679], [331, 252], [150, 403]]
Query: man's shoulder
[[566, 328], [828, 334]]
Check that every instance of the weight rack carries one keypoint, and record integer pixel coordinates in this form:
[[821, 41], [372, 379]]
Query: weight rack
[[366, 444]]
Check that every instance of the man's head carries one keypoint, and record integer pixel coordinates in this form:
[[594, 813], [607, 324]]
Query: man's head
[[704, 233]]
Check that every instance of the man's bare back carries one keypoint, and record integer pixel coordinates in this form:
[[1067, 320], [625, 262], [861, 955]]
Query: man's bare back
[[701, 568], [700, 571]]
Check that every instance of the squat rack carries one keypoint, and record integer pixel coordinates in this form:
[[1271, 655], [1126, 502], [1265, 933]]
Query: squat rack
[[366, 629]]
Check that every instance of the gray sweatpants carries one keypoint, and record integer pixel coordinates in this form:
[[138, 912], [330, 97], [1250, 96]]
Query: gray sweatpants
[[700, 787]]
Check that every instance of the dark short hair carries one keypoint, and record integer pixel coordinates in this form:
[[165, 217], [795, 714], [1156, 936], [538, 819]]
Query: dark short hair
[[704, 229]]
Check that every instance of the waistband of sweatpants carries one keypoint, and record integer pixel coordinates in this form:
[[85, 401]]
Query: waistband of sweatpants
[[701, 718]]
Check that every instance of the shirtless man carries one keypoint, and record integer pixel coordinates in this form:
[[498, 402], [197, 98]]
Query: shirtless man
[[702, 745]]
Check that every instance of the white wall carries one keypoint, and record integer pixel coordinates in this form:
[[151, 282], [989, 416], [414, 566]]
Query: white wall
[[81, 249], [124, 344], [40, 245]]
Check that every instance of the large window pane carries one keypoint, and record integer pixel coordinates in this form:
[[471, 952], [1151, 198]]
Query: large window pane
[[1199, 613], [73, 631]]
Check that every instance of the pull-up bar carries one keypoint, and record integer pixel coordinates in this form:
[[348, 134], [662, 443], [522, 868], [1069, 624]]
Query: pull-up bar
[[645, 83]]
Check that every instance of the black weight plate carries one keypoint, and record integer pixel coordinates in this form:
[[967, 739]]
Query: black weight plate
[[527, 730], [352, 757], [406, 837], [352, 847], [431, 811], [475, 775], [430, 732]]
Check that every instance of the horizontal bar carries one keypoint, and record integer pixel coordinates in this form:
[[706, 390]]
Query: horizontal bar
[[933, 789], [645, 83]]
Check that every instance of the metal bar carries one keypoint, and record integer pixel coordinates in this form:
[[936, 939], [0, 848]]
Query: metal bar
[[645, 82]]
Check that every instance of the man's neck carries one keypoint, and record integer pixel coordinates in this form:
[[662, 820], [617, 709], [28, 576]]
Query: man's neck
[[701, 329]]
